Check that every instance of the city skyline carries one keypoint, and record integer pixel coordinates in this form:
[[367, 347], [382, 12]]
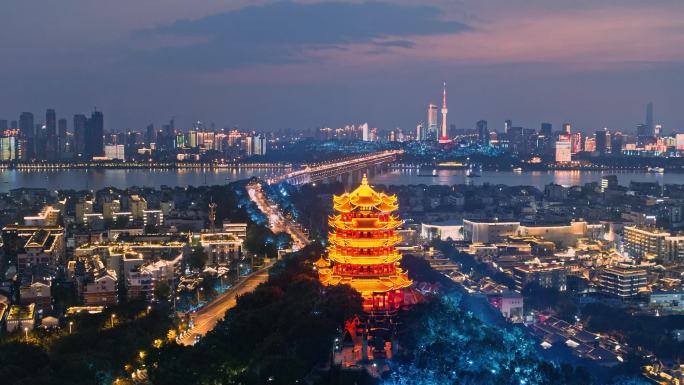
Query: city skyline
[[650, 120], [342, 192], [388, 63]]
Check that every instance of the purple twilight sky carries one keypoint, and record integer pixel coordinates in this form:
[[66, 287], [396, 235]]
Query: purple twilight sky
[[267, 65]]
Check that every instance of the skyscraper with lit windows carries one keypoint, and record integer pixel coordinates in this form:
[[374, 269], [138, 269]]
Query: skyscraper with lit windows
[[432, 122]]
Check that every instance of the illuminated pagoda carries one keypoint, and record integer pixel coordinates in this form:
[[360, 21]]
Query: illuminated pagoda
[[362, 251]]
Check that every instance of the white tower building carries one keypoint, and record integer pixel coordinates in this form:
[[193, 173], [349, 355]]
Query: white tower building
[[443, 136]]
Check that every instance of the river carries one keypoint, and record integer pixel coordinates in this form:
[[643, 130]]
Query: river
[[95, 179]]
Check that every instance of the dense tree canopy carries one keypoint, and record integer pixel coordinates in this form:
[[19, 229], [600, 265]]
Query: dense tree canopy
[[276, 334]]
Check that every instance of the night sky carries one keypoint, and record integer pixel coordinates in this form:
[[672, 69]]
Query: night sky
[[268, 65]]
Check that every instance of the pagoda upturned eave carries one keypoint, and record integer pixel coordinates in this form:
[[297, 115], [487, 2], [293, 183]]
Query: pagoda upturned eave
[[368, 285]]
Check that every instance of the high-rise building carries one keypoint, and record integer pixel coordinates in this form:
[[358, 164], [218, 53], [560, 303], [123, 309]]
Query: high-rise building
[[577, 142], [482, 132], [644, 135], [3, 125], [616, 143], [150, 135], [9, 148], [115, 151], [443, 134], [62, 136], [27, 129], [649, 119], [94, 143], [374, 134], [601, 141], [547, 129], [508, 124], [563, 151], [420, 132], [249, 145], [362, 252], [50, 134], [432, 122], [365, 132], [679, 140], [260, 145], [192, 139], [589, 144], [80, 123], [567, 129]]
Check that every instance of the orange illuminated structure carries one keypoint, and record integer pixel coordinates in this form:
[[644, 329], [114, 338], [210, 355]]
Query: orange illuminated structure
[[362, 250]]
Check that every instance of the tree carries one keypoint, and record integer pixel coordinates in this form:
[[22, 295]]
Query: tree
[[276, 334], [198, 258], [162, 290]]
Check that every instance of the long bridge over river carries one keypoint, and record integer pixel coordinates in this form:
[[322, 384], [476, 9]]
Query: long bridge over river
[[342, 169]]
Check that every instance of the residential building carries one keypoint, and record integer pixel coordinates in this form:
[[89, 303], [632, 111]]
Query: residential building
[[45, 247], [48, 216], [644, 242], [35, 291], [221, 248], [622, 282], [137, 206], [83, 207], [548, 276]]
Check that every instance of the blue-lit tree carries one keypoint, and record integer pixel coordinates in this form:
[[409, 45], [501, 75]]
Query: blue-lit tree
[[442, 344]]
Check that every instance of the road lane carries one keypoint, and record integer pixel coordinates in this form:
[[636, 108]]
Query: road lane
[[208, 316]]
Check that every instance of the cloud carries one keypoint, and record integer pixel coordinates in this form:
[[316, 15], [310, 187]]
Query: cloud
[[285, 32], [396, 43]]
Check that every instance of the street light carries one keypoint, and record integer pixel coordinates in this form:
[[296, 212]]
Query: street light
[[112, 318], [26, 333], [148, 309], [71, 323]]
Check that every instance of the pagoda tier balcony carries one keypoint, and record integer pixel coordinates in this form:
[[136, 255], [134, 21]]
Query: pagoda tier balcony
[[364, 224], [348, 217], [355, 251], [355, 270], [342, 241], [365, 234], [393, 257]]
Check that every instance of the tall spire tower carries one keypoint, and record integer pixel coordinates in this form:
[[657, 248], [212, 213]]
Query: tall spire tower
[[443, 136]]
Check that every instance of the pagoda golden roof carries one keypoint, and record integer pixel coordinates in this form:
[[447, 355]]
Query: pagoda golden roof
[[365, 198], [367, 286], [322, 263]]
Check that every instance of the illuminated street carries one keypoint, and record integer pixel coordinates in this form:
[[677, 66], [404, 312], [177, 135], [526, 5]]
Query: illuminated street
[[208, 316], [276, 221]]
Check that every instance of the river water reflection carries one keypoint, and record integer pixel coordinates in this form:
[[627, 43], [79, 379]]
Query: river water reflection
[[94, 179]]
